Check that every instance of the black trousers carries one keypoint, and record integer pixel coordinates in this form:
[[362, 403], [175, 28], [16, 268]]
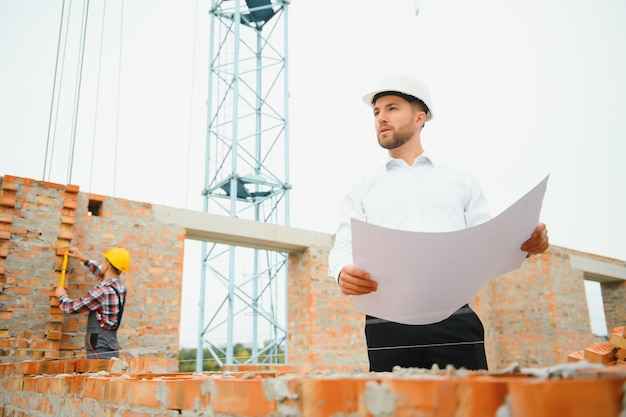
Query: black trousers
[[458, 340]]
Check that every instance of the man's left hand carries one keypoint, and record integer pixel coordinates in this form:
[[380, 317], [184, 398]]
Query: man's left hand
[[59, 291], [538, 241]]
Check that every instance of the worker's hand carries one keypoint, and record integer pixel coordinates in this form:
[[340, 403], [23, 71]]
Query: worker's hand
[[355, 281], [74, 252], [59, 291], [538, 241]]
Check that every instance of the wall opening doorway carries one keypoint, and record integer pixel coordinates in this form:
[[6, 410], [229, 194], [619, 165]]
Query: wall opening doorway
[[595, 304]]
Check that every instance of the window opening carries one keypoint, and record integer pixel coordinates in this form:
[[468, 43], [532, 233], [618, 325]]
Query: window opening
[[94, 208]]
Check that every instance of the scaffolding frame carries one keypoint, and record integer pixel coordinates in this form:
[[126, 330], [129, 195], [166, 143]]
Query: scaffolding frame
[[246, 176]]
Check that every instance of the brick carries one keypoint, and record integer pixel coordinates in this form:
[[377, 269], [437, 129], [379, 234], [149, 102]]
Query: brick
[[242, 397], [621, 330], [44, 345], [60, 251], [7, 369], [19, 290], [53, 185], [7, 201], [603, 353], [22, 307], [96, 197], [6, 315], [6, 218], [10, 280], [50, 354], [8, 184], [19, 343], [54, 335], [115, 391], [30, 385], [68, 220], [580, 397], [183, 392], [31, 283], [333, 395], [5, 235], [92, 365], [617, 339], [57, 317], [36, 353], [45, 407], [70, 203], [66, 235], [4, 252], [37, 368], [54, 326], [131, 413], [576, 356]]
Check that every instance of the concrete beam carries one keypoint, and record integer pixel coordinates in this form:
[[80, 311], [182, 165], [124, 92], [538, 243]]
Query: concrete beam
[[597, 270], [209, 227]]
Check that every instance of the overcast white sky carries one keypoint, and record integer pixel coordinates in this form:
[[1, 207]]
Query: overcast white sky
[[520, 89]]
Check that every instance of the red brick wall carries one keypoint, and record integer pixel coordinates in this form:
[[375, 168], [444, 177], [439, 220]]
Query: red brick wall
[[77, 388], [614, 295], [324, 330], [535, 316], [38, 221]]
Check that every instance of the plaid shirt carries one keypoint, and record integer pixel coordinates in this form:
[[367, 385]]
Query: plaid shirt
[[102, 299]]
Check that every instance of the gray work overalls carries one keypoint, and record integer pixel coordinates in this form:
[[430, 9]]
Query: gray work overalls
[[101, 343]]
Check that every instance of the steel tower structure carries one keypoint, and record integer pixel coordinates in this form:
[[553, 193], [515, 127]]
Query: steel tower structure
[[246, 176]]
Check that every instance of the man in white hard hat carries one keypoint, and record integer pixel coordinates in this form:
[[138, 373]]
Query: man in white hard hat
[[105, 302], [414, 193]]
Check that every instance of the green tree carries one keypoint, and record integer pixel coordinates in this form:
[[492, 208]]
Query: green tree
[[187, 358]]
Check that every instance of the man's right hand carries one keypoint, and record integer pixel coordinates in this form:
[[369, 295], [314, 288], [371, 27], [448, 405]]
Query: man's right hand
[[74, 252], [59, 291], [355, 281]]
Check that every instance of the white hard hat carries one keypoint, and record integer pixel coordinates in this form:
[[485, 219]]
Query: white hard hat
[[405, 85]]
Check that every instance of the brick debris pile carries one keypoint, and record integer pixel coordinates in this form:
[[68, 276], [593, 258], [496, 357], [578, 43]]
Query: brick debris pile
[[608, 353]]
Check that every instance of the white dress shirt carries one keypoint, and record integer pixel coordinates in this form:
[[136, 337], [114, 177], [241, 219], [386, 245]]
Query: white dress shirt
[[423, 197]]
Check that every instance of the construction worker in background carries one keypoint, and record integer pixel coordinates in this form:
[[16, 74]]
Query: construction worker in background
[[413, 192], [105, 302]]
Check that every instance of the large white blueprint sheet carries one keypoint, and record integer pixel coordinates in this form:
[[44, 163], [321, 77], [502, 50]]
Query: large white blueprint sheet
[[425, 277]]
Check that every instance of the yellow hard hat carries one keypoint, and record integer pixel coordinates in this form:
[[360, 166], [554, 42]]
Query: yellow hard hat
[[119, 258]]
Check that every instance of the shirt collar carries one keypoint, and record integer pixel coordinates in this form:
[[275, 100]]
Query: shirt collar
[[109, 281], [423, 159]]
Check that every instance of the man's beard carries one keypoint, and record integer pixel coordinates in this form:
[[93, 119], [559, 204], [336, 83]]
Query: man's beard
[[398, 139]]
